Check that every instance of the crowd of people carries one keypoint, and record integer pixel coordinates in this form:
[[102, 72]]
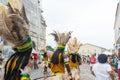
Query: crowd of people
[[103, 66], [62, 66], [65, 66]]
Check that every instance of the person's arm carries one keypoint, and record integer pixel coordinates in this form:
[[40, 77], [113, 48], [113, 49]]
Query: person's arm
[[68, 69], [79, 59], [111, 75], [2, 78], [92, 73], [25, 73], [49, 60], [80, 62], [110, 72], [66, 61]]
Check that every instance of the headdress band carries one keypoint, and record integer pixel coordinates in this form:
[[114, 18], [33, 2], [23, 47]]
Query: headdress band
[[27, 44], [61, 46], [70, 52]]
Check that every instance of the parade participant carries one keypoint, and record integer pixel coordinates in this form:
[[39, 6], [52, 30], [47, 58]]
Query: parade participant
[[92, 61], [35, 59], [58, 60], [102, 70], [45, 61], [75, 59], [14, 29]]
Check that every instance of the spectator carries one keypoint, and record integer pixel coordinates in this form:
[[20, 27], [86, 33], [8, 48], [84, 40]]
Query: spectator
[[35, 59], [118, 68], [45, 62], [92, 61], [88, 59], [102, 70]]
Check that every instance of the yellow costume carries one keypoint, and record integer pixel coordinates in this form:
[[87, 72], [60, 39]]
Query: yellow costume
[[72, 64], [57, 68], [58, 61], [74, 58], [45, 59]]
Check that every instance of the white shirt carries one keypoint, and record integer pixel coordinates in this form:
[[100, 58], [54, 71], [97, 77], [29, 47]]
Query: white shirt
[[118, 64], [101, 71]]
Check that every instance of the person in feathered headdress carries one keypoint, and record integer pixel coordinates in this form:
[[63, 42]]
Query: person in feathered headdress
[[58, 60], [74, 57], [14, 29], [45, 61]]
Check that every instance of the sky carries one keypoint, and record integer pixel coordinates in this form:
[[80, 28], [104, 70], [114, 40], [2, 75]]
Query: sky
[[92, 21]]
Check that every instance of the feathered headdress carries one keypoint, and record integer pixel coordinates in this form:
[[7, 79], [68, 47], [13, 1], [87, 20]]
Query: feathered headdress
[[14, 26], [14, 29], [74, 45], [61, 38]]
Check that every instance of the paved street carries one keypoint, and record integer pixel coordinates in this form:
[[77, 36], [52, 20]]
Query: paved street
[[85, 73]]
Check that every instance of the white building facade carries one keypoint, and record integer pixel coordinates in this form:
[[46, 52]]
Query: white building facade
[[90, 49], [117, 25], [117, 29]]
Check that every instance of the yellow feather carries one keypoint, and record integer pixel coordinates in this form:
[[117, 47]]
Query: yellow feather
[[74, 45]]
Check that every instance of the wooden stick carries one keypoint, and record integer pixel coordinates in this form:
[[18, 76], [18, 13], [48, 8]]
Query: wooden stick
[[43, 77]]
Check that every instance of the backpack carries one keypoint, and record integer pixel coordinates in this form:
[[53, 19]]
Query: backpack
[[92, 60]]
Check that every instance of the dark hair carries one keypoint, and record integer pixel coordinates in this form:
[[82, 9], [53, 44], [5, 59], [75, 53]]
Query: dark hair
[[75, 58], [45, 54], [55, 56], [16, 62], [102, 58]]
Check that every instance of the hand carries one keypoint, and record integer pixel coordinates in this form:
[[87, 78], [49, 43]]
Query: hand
[[70, 76], [26, 70]]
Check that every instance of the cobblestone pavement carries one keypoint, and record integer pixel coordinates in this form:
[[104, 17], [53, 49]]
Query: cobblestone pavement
[[85, 73]]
